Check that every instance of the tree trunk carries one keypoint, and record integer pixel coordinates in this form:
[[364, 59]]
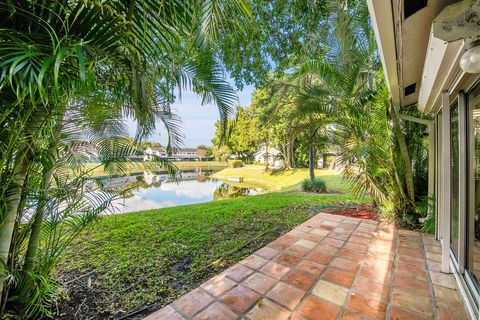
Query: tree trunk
[[292, 158], [49, 164], [311, 163], [405, 156], [13, 196]]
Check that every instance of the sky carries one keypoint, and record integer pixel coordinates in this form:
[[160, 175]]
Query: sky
[[198, 122]]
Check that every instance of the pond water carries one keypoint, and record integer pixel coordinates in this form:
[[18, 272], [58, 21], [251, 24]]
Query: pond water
[[148, 190]]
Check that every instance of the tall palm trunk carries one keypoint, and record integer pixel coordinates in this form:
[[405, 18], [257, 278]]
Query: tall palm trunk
[[49, 164], [13, 196], [405, 156], [311, 163]]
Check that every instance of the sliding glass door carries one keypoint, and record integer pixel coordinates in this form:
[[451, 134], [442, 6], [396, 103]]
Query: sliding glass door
[[472, 267]]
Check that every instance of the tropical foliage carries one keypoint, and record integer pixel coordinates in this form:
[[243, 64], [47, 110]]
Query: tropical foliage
[[70, 72]]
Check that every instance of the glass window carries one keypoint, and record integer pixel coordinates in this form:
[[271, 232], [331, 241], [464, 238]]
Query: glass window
[[474, 218], [454, 178]]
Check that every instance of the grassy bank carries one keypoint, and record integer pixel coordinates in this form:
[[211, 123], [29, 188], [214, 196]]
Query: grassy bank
[[97, 170], [255, 175], [138, 259]]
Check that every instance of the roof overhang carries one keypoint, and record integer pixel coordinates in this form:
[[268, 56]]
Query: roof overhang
[[418, 66]]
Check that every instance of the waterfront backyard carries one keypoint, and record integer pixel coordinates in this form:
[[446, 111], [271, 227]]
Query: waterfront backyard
[[235, 160], [140, 261]]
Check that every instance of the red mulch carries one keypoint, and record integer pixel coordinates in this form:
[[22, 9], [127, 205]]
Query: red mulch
[[363, 211]]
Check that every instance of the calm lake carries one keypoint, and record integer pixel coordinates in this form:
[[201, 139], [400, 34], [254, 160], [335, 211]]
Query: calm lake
[[148, 190]]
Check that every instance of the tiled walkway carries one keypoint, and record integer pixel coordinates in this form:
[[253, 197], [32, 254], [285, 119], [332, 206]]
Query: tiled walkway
[[330, 267]]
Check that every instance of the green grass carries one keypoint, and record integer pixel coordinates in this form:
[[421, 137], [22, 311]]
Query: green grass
[[134, 255], [97, 170], [256, 176]]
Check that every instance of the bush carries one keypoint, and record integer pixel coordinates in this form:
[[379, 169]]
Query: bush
[[235, 163], [317, 185]]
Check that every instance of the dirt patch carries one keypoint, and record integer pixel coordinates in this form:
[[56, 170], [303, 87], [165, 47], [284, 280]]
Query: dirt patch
[[366, 211]]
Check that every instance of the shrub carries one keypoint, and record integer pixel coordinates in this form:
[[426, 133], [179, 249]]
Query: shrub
[[235, 163], [317, 185]]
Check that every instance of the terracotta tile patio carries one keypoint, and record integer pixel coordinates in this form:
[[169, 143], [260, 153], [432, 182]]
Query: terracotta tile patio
[[330, 267]]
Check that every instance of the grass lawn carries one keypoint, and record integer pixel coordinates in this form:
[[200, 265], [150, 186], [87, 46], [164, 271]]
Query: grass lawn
[[138, 259], [134, 167], [255, 175]]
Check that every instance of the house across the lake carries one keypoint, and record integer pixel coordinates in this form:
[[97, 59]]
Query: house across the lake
[[177, 154], [269, 155]]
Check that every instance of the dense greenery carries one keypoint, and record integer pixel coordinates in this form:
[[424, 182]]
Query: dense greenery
[[151, 257], [317, 185], [70, 72]]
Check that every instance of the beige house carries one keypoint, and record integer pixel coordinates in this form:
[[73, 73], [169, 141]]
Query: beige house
[[431, 56]]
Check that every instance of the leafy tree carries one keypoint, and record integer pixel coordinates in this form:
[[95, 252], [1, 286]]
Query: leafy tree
[[207, 151], [243, 134]]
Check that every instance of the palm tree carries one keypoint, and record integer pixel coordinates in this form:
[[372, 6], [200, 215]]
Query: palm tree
[[127, 54], [348, 84]]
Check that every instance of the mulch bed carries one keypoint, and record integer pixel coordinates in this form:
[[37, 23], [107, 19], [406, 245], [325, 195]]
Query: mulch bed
[[362, 211]]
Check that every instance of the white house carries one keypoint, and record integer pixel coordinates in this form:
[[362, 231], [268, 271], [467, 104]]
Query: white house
[[272, 156], [152, 152], [430, 51], [178, 154]]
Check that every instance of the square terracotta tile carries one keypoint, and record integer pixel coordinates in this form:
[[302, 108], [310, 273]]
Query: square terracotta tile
[[310, 267], [193, 302], [299, 279], [306, 244], [407, 270], [238, 272], [275, 270], [218, 285], [337, 235], [419, 304], [412, 261], [241, 298], [267, 309], [286, 295], [411, 285], [332, 242], [345, 264], [321, 232], [165, 313], [319, 257], [326, 249], [330, 292], [366, 287], [397, 313], [417, 253], [446, 295], [315, 308], [340, 277], [298, 251], [287, 259], [267, 253], [358, 248], [217, 311], [451, 311], [297, 316], [359, 240], [375, 275], [371, 308], [347, 254], [443, 279], [350, 315], [254, 261], [259, 282]]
